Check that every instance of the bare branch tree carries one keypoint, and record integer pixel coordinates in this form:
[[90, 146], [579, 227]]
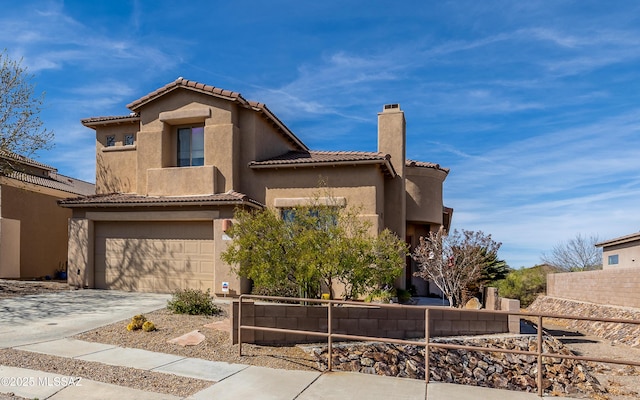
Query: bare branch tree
[[21, 130], [577, 254], [453, 262]]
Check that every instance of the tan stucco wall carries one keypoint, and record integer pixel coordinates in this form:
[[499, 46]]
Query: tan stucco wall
[[116, 166], [43, 226], [181, 181], [80, 254], [424, 194], [9, 248], [392, 141], [628, 255]]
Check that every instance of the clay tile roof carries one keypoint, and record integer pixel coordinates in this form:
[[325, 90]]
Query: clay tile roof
[[43, 175], [57, 181], [181, 82], [110, 119], [316, 158], [24, 160], [129, 199], [423, 164]]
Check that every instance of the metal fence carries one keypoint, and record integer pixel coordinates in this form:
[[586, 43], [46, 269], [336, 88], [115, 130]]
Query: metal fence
[[330, 335]]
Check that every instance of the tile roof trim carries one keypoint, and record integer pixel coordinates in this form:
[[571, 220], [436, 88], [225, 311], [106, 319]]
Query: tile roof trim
[[373, 159], [110, 119], [425, 164], [187, 84], [72, 185], [123, 200], [26, 161]]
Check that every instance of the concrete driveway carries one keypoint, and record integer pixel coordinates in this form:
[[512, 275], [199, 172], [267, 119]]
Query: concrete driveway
[[37, 318]]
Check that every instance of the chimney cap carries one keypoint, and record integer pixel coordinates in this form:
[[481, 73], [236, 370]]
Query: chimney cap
[[391, 107]]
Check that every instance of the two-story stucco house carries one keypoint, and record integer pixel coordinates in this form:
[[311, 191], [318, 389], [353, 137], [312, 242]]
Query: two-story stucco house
[[170, 175]]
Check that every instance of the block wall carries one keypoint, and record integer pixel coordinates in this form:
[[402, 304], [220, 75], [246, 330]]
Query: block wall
[[616, 287], [399, 322]]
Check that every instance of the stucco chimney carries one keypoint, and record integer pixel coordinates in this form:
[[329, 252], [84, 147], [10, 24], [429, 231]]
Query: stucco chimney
[[391, 140], [392, 135]]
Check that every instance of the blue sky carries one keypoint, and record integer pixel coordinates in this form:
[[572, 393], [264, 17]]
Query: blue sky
[[534, 106]]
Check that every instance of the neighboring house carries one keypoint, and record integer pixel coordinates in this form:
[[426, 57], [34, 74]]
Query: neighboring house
[[170, 174], [33, 229], [622, 252]]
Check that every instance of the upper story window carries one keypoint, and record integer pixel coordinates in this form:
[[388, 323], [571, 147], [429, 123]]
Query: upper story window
[[128, 140], [191, 146], [613, 259], [111, 141]]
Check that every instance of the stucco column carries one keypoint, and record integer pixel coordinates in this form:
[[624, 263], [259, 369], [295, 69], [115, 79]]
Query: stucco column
[[80, 256]]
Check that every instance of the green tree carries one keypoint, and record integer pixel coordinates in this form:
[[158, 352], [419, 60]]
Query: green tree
[[525, 284], [454, 261], [311, 246], [494, 270], [21, 130]]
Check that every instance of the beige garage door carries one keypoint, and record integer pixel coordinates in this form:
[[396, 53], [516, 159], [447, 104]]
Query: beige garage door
[[154, 256]]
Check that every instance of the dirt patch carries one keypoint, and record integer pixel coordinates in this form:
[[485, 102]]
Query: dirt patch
[[16, 288]]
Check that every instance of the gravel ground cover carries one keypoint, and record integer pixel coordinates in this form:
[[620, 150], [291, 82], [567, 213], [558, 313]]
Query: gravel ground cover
[[14, 288], [121, 376], [216, 346]]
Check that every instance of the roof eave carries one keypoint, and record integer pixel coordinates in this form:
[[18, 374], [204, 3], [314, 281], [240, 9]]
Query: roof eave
[[621, 240], [89, 123], [390, 171], [71, 204]]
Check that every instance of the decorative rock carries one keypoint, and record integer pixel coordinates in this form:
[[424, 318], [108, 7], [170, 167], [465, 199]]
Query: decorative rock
[[473, 304], [188, 339], [478, 368], [628, 334]]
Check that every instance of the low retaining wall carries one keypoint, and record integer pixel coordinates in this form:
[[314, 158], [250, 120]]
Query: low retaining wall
[[628, 334], [477, 368], [397, 322], [617, 287]]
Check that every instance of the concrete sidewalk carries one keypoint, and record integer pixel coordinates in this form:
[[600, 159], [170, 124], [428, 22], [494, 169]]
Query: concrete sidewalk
[[228, 381]]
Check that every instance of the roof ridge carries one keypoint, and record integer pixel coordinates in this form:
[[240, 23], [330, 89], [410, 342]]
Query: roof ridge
[[182, 82]]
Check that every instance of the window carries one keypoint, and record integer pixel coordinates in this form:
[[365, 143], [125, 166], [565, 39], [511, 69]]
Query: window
[[613, 259], [323, 218], [111, 141], [128, 140], [191, 146]]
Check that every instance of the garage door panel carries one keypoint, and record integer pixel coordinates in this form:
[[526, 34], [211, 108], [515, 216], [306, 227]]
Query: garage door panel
[[153, 256]]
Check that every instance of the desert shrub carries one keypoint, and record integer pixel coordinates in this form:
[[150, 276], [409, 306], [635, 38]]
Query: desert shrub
[[403, 295], [148, 326], [380, 296], [192, 302], [279, 289], [523, 284]]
